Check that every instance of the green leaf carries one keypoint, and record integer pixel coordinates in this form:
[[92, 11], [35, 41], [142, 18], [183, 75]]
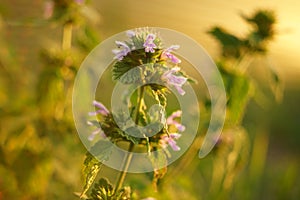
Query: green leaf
[[102, 149], [131, 76], [123, 194], [113, 132], [90, 171], [102, 190], [231, 45], [263, 23], [120, 68], [135, 140]]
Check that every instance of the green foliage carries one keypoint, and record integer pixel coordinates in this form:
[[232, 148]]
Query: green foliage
[[262, 23], [159, 95], [112, 130], [91, 169], [101, 149], [120, 68], [36, 128], [98, 153], [231, 44], [238, 52], [87, 38], [133, 60], [238, 90], [233, 148], [70, 11], [103, 190]]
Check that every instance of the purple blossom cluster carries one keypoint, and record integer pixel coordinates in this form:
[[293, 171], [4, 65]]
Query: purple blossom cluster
[[165, 139], [171, 138], [174, 80], [101, 110], [149, 43], [149, 46], [168, 55], [122, 51]]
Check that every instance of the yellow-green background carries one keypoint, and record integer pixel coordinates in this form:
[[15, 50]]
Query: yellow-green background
[[276, 171]]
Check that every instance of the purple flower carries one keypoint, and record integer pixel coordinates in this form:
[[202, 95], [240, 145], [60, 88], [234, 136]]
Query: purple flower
[[130, 33], [97, 131], [48, 9], [79, 1], [149, 44], [174, 80], [166, 140], [167, 54], [101, 109], [171, 121], [122, 51]]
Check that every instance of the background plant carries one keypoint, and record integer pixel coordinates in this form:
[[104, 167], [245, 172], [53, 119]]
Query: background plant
[[36, 117]]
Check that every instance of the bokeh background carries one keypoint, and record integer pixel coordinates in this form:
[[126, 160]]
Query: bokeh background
[[41, 155]]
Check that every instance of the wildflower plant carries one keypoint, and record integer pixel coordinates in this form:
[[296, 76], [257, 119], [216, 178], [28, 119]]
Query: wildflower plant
[[144, 68]]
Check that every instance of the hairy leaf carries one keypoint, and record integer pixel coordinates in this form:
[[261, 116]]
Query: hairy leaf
[[90, 171], [102, 190], [92, 165]]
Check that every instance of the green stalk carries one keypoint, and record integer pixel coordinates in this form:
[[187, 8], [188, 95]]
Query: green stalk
[[125, 167], [67, 36], [128, 157]]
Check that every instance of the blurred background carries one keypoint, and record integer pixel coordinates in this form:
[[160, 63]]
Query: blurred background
[[42, 44]]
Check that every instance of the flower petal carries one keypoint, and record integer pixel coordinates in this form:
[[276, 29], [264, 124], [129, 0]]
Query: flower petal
[[92, 113], [149, 43], [130, 33], [180, 127], [175, 135], [172, 47], [173, 145], [179, 90], [175, 80], [120, 53], [101, 107], [167, 54], [94, 133]]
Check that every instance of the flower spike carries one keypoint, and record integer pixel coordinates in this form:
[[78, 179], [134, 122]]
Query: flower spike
[[149, 43]]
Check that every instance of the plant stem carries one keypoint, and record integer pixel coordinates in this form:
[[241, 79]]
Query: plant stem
[[126, 164], [67, 36], [139, 104], [129, 155]]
